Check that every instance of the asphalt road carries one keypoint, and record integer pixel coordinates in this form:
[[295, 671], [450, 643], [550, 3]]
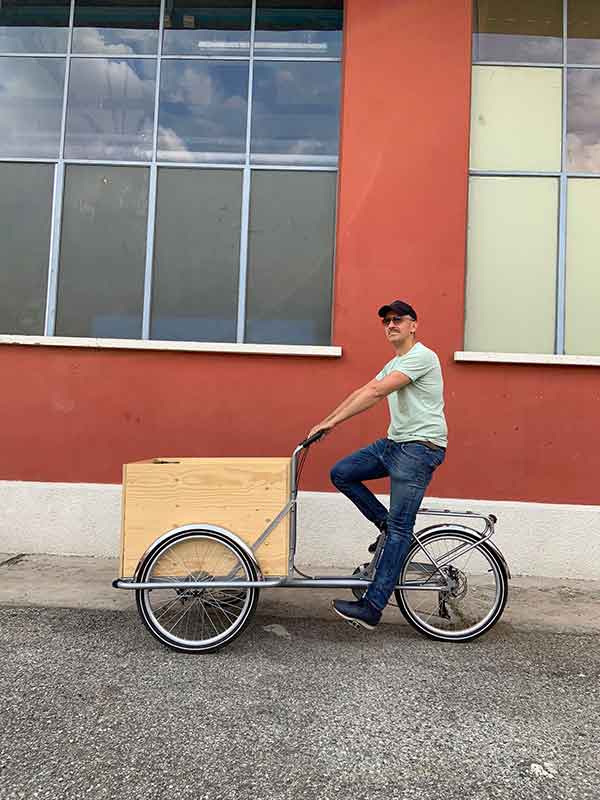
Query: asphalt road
[[93, 707]]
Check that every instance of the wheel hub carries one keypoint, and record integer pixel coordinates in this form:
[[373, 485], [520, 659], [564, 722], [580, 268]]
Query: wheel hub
[[458, 583]]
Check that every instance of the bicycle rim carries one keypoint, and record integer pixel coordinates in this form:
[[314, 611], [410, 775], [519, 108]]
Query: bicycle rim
[[475, 594], [200, 619]]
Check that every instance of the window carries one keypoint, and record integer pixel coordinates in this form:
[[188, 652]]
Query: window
[[197, 255], [31, 27], [25, 211], [32, 93], [533, 274], [169, 168], [101, 284]]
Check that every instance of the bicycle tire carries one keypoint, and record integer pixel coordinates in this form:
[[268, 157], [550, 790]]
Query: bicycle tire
[[450, 628], [206, 602]]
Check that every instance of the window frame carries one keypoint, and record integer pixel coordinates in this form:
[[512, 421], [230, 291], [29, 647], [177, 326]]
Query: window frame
[[563, 175], [246, 168]]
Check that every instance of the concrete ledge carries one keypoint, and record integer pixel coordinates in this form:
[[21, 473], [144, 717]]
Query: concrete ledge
[[194, 347], [538, 539], [527, 358]]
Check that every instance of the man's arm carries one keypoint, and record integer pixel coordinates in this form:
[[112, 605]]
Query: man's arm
[[363, 399], [344, 404]]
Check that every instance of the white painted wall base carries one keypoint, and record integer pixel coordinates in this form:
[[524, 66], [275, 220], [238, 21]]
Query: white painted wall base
[[540, 539]]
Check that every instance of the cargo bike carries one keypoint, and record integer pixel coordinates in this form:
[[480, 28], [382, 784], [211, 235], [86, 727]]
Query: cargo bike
[[196, 554]]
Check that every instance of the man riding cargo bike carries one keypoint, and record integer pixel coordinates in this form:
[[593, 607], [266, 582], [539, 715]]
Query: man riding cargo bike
[[195, 552], [415, 446]]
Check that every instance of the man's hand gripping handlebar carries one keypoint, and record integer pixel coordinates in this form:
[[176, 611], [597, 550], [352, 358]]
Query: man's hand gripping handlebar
[[312, 439]]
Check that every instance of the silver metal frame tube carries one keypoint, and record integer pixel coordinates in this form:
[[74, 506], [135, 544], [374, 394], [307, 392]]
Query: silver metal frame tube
[[271, 583], [293, 509], [483, 537], [52, 285]]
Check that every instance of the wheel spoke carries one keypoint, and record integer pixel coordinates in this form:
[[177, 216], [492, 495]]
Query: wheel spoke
[[168, 606], [475, 591], [196, 618]]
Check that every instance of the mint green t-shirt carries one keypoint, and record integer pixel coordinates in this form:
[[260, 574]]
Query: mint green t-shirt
[[417, 410]]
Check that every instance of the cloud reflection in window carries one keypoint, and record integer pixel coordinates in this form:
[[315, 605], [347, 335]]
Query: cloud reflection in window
[[295, 114], [203, 111], [110, 109], [31, 92], [583, 120]]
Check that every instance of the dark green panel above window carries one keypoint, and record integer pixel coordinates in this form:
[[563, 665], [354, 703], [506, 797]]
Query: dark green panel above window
[[583, 46], [518, 31], [303, 28], [217, 28], [34, 27], [116, 27]]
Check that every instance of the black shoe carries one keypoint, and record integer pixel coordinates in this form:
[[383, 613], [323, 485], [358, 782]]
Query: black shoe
[[359, 613]]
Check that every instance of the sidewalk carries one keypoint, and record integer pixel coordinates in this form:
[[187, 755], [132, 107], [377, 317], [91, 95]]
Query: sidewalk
[[81, 582]]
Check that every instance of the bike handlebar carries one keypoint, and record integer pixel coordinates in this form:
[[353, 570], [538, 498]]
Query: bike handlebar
[[312, 439]]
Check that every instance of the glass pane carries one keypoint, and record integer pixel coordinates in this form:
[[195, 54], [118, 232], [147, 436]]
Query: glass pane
[[518, 30], [511, 265], [516, 115], [116, 27], [220, 27], [103, 251], [38, 27], [310, 28], [583, 120], [290, 260], [582, 331], [31, 92], [197, 255], [110, 109], [295, 112], [203, 111], [583, 44], [25, 211]]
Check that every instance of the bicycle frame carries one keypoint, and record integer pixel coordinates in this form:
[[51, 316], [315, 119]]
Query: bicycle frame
[[325, 582]]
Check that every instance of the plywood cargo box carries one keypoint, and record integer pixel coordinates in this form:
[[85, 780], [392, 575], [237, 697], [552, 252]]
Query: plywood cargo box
[[243, 495]]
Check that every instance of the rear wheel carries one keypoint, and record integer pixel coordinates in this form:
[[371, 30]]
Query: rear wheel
[[197, 620], [472, 581]]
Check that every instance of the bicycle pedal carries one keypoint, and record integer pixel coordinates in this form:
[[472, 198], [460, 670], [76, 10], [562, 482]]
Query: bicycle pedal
[[354, 624]]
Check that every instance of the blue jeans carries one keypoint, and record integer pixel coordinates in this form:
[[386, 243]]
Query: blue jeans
[[410, 467]]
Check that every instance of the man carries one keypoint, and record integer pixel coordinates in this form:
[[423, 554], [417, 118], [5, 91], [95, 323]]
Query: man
[[415, 446]]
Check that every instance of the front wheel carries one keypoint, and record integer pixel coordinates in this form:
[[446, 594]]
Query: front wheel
[[197, 620], [472, 581]]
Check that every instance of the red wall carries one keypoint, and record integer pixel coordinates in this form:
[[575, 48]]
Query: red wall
[[516, 432]]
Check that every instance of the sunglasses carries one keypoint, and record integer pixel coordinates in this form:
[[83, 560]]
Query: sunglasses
[[396, 320]]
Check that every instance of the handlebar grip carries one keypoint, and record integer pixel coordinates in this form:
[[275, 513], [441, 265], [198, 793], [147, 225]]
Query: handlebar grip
[[312, 439]]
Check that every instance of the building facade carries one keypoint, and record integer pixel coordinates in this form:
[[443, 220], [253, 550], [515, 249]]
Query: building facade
[[203, 205]]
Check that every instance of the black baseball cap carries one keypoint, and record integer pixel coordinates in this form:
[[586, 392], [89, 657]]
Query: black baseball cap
[[398, 307]]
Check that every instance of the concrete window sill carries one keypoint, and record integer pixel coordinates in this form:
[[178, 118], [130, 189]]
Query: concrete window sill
[[527, 358], [196, 347]]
